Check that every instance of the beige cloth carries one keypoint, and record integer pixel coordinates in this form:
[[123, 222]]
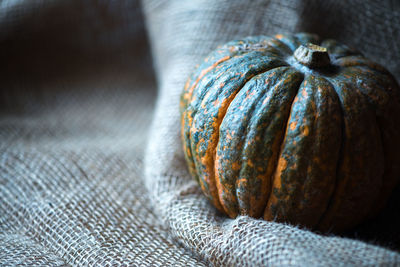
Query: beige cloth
[[78, 92]]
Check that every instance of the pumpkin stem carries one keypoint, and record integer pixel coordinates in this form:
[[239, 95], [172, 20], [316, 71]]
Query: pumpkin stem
[[312, 56]]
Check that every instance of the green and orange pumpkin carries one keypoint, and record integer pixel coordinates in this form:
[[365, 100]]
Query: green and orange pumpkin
[[294, 129]]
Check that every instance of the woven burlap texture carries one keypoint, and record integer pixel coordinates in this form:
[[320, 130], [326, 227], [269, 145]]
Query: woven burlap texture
[[77, 95], [84, 181]]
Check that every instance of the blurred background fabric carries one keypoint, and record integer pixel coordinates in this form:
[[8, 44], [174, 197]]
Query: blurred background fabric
[[91, 164]]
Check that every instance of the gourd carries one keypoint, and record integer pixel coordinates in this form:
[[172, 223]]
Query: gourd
[[294, 129]]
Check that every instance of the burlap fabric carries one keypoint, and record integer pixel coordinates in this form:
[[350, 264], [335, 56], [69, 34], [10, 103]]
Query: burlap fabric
[[77, 94], [77, 97]]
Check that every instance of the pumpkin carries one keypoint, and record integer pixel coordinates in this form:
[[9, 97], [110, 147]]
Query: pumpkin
[[294, 129]]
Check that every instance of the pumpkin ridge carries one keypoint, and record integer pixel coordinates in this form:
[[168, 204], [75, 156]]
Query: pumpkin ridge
[[358, 61], [215, 166], [216, 177], [267, 177], [190, 85], [187, 137], [288, 41], [243, 147], [280, 47], [313, 131], [205, 71], [383, 103], [368, 167], [279, 154], [232, 49], [340, 153], [277, 166], [203, 95], [294, 197], [203, 154], [214, 153], [269, 100], [228, 49], [283, 44], [391, 105], [187, 95], [339, 162], [235, 54]]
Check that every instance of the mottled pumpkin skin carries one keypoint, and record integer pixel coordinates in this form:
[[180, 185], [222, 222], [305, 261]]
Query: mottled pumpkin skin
[[266, 136]]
